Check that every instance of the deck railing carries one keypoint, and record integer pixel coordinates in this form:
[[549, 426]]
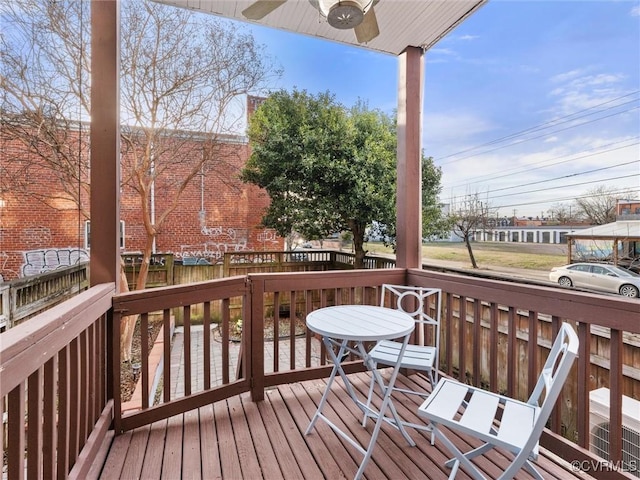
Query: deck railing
[[486, 333], [24, 298], [55, 390]]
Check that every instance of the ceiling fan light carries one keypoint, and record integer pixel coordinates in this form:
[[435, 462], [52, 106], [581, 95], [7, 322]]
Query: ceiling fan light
[[343, 14]]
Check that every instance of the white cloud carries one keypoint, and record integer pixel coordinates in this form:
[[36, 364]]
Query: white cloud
[[635, 11]]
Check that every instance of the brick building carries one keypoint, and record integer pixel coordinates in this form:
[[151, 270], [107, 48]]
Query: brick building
[[216, 213]]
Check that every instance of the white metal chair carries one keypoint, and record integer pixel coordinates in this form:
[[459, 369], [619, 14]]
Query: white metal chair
[[475, 412], [418, 302]]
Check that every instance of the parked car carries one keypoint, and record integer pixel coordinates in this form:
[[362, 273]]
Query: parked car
[[598, 276]]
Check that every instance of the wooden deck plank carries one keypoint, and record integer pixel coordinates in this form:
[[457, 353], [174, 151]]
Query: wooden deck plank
[[297, 461], [266, 432], [191, 455], [392, 450], [326, 446], [238, 439], [209, 440], [293, 405], [245, 448], [381, 464], [229, 463], [117, 456], [132, 467], [172, 457], [152, 465]]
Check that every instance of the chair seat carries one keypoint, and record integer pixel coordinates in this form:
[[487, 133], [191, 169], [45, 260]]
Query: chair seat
[[415, 356], [492, 418]]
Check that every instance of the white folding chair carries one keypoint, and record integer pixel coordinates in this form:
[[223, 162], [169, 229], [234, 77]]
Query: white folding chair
[[424, 305], [497, 420]]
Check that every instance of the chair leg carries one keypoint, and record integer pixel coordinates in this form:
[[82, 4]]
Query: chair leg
[[459, 457], [369, 398]]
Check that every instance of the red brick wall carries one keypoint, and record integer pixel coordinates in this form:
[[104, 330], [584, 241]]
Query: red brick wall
[[214, 215]]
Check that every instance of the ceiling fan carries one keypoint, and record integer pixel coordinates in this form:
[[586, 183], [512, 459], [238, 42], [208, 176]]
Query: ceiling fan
[[341, 14]]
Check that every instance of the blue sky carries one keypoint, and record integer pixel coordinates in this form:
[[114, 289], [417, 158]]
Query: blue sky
[[523, 102]]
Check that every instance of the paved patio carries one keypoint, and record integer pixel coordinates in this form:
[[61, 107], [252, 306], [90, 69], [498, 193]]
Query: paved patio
[[197, 358]]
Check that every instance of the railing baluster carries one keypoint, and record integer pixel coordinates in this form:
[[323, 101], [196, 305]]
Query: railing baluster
[[533, 367], [49, 414], [276, 331], [462, 338], [15, 431], [206, 344], [476, 326], [226, 314], [63, 413], [615, 400], [512, 353], [186, 315], [293, 319], [494, 351], [34, 424], [144, 358], [74, 401]]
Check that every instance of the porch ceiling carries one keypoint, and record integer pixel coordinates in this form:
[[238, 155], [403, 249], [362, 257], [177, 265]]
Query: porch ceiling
[[402, 23]]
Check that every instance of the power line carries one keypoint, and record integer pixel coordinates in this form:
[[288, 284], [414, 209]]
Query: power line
[[539, 136], [548, 124], [565, 186], [542, 202], [564, 176], [527, 168]]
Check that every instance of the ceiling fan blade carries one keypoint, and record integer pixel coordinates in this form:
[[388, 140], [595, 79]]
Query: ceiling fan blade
[[368, 29], [261, 8]]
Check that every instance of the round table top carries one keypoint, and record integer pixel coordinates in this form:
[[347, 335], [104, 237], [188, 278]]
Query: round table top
[[360, 322]]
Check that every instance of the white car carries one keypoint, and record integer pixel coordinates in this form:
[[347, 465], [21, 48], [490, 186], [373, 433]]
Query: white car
[[598, 276]]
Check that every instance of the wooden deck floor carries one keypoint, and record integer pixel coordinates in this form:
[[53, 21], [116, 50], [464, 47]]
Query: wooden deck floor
[[239, 439]]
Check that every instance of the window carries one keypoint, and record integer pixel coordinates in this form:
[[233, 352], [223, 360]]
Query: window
[[87, 234], [579, 268]]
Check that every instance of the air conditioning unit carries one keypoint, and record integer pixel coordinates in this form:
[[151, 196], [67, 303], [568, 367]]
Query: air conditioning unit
[[599, 427]]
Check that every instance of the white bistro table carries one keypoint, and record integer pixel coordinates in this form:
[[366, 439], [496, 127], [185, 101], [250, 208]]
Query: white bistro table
[[342, 324]]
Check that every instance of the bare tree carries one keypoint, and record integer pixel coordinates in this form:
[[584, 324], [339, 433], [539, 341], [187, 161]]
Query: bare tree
[[564, 213], [181, 85], [598, 206], [469, 217]]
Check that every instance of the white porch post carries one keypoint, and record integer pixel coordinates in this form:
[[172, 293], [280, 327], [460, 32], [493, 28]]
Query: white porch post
[[409, 198], [105, 142]]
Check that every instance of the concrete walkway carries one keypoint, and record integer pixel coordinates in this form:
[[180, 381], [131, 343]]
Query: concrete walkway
[[197, 358]]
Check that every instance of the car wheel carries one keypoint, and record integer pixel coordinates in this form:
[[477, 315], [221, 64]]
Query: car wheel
[[565, 282], [629, 291]]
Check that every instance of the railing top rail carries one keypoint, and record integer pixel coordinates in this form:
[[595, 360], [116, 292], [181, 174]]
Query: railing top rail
[[43, 277], [612, 311], [161, 298]]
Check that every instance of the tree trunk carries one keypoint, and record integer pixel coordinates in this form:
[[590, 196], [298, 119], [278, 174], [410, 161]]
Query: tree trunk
[[358, 244], [128, 322], [141, 282], [473, 259]]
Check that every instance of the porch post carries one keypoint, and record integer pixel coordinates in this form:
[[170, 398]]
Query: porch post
[[105, 142], [409, 198]]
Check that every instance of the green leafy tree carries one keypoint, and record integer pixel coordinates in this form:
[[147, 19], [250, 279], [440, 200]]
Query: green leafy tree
[[325, 168], [434, 222]]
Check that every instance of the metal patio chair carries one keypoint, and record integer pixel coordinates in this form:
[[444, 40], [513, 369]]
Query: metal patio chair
[[497, 420], [424, 305]]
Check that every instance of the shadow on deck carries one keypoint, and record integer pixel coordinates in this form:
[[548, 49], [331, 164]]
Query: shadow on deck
[[239, 439]]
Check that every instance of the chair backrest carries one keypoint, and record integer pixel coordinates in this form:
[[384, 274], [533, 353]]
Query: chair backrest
[[553, 375], [422, 303]]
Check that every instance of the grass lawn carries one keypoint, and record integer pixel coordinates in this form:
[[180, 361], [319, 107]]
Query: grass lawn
[[516, 255]]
